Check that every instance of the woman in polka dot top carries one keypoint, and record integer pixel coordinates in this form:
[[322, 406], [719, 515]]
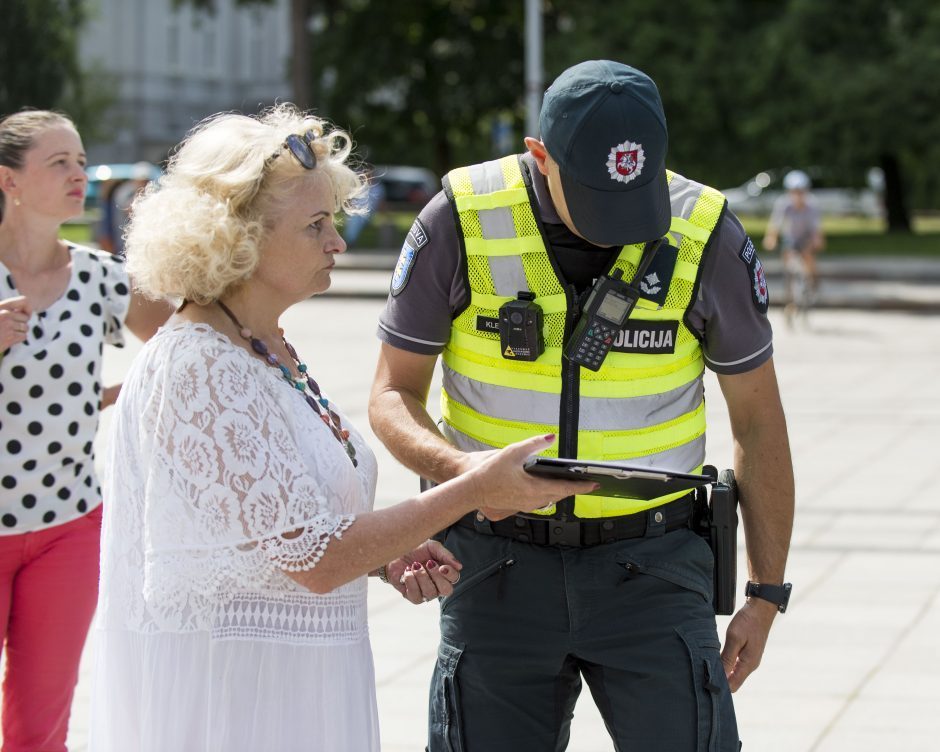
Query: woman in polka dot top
[[59, 305]]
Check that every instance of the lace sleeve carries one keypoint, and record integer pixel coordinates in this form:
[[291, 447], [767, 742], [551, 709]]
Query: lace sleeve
[[231, 497]]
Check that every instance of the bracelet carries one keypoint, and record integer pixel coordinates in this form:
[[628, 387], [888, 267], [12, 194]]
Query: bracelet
[[383, 574]]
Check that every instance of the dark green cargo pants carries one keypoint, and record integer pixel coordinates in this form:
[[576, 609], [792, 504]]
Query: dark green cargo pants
[[526, 623]]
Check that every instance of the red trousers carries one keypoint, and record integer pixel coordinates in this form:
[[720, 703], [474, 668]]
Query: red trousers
[[48, 591]]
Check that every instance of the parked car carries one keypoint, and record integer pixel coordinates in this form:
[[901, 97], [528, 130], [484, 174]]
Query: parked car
[[111, 174], [406, 187], [832, 195]]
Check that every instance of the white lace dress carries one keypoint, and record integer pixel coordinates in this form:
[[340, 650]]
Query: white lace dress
[[202, 642]]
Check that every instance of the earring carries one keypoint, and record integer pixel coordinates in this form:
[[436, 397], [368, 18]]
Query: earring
[[16, 201]]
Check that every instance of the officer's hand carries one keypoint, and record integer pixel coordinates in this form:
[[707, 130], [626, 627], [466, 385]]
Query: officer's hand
[[428, 572], [14, 321], [746, 639], [500, 484]]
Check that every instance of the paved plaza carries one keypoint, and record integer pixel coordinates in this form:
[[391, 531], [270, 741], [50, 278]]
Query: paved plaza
[[855, 663]]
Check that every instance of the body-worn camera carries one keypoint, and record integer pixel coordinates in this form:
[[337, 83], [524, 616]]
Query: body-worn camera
[[607, 308], [520, 328]]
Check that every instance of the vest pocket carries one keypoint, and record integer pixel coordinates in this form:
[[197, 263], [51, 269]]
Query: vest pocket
[[446, 728], [717, 726]]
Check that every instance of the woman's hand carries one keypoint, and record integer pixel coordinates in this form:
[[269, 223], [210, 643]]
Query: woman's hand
[[109, 396], [428, 572], [502, 487], [14, 321]]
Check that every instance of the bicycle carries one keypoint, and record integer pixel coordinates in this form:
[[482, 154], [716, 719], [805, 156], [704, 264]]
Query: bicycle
[[800, 288]]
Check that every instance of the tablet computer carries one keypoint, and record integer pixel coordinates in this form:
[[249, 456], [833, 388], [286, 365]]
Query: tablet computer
[[615, 479]]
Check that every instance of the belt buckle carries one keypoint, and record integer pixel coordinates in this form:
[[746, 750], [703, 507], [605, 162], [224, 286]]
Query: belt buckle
[[564, 532]]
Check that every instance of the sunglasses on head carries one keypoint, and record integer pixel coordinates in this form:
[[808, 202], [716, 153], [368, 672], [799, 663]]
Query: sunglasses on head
[[301, 147]]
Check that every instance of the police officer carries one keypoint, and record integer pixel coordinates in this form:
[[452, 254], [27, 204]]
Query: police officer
[[612, 591]]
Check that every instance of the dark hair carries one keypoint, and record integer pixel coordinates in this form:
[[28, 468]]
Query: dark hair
[[18, 133]]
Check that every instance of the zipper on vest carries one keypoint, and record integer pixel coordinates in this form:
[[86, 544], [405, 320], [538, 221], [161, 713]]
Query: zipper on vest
[[570, 396]]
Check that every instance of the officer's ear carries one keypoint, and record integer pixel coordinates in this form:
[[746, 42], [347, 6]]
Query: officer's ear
[[537, 150]]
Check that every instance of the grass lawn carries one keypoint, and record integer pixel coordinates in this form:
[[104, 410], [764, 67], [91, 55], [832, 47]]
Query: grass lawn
[[77, 233], [845, 236], [863, 236]]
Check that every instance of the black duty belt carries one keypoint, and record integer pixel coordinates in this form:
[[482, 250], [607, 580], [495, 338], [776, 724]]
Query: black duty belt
[[549, 531]]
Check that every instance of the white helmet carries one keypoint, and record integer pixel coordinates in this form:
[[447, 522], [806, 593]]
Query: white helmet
[[796, 180]]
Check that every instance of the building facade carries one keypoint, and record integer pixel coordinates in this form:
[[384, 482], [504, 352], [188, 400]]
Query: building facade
[[164, 68]]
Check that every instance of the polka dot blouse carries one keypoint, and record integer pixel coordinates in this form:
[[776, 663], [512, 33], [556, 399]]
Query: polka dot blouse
[[50, 388]]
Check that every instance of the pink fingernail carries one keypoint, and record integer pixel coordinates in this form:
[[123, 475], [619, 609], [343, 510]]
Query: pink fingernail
[[431, 564], [416, 567], [549, 437]]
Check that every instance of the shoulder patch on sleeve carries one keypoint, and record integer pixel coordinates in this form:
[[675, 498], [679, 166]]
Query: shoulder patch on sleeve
[[416, 239], [755, 272], [748, 252]]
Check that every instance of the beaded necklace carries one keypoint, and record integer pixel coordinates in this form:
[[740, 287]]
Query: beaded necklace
[[303, 383]]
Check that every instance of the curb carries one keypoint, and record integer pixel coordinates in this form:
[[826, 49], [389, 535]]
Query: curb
[[918, 280]]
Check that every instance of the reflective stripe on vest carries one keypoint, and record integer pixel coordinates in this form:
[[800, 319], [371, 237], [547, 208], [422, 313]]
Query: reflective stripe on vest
[[644, 409]]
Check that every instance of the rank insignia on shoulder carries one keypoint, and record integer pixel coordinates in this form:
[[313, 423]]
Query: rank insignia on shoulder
[[655, 283], [416, 239]]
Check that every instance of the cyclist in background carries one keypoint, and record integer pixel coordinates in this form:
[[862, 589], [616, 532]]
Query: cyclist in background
[[796, 229]]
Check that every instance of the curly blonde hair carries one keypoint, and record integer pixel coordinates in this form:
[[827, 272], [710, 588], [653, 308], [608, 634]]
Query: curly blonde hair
[[197, 232]]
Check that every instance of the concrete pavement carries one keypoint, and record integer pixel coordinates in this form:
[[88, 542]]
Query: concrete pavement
[[854, 664]]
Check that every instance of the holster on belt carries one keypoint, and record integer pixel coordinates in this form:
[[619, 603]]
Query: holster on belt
[[716, 520]]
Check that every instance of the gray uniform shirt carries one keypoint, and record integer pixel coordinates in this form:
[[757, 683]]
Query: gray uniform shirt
[[728, 316]]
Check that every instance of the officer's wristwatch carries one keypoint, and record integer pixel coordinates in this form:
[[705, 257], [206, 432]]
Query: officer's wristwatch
[[779, 595]]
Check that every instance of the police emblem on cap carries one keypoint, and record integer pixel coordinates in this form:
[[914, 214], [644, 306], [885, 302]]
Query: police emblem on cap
[[625, 161]]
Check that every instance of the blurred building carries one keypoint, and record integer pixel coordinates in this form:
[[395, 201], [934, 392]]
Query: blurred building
[[164, 68]]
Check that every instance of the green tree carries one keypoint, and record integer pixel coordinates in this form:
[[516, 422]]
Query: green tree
[[426, 81], [696, 53], [854, 85], [750, 84], [38, 56], [422, 82], [746, 84]]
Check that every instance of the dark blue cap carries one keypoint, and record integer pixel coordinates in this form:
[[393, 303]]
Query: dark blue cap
[[603, 123]]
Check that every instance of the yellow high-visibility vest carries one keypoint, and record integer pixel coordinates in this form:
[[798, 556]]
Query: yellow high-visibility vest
[[644, 409]]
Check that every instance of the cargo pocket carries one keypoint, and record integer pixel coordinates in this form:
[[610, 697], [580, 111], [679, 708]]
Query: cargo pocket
[[445, 733], [717, 727]]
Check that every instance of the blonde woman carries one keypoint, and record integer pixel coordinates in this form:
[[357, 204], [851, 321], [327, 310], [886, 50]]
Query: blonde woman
[[239, 529], [59, 305]]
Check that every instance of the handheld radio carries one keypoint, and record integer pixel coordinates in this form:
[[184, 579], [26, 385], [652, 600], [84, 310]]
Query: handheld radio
[[607, 307], [520, 328], [604, 313]]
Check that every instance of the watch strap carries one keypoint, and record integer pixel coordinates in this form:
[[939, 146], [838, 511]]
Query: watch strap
[[779, 595]]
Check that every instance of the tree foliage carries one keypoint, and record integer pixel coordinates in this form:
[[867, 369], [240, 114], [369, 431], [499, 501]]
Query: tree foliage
[[38, 56], [746, 84], [423, 81], [855, 86]]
